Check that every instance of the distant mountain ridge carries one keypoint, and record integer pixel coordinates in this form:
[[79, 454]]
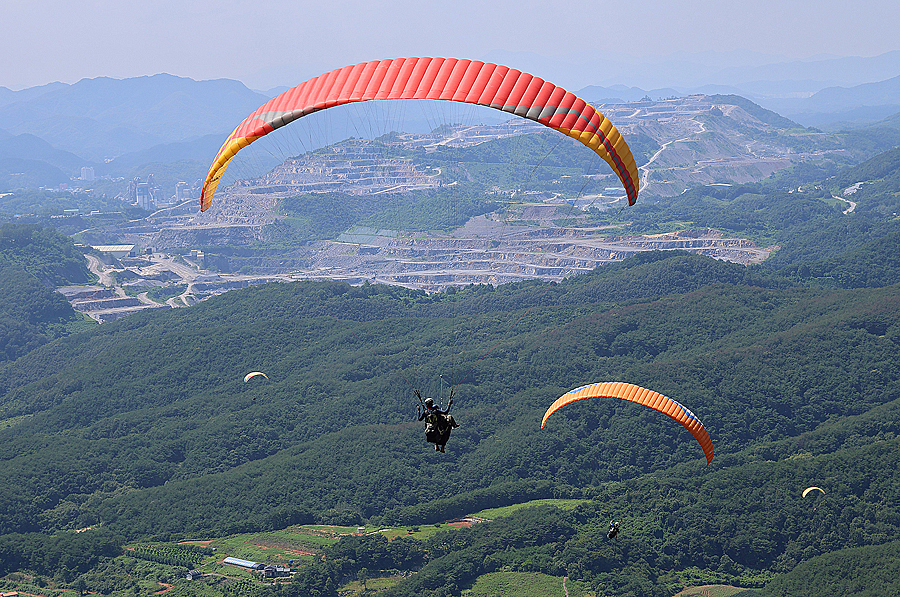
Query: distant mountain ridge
[[862, 104], [120, 125], [751, 74], [867, 102], [102, 118], [28, 146], [8, 96]]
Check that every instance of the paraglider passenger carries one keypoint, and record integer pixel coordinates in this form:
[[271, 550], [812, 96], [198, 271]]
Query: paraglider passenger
[[613, 529], [438, 422]]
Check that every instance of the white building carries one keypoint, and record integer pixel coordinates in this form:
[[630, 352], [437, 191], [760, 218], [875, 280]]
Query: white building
[[182, 191], [117, 251]]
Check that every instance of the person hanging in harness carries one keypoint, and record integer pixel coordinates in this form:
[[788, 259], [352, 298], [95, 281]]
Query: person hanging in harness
[[438, 422], [613, 529]]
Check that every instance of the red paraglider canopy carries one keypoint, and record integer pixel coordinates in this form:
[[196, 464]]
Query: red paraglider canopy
[[451, 79]]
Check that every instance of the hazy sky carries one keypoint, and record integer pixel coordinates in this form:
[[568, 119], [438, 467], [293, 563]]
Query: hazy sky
[[267, 43]]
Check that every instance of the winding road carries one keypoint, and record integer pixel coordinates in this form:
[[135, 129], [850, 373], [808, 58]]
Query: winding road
[[852, 204], [646, 170], [94, 265]]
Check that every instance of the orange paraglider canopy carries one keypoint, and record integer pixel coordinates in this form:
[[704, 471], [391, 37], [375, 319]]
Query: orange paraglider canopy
[[451, 79], [649, 398]]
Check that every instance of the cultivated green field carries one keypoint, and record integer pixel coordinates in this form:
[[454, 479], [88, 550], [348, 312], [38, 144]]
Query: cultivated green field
[[372, 585], [296, 543], [525, 584], [710, 591], [492, 513]]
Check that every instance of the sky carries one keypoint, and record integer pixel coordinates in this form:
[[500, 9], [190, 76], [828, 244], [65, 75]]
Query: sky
[[271, 43]]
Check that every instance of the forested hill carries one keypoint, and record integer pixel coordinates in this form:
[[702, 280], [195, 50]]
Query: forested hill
[[874, 264], [31, 313], [748, 359], [646, 276], [804, 212], [44, 253], [146, 427]]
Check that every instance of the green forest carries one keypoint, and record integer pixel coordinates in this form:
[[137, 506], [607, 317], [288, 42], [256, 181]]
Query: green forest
[[32, 261], [142, 432]]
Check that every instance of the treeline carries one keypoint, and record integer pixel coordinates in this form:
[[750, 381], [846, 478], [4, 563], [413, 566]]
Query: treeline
[[873, 265], [187, 556], [869, 571], [44, 253], [501, 494], [30, 313], [32, 261], [766, 216], [882, 166], [62, 555]]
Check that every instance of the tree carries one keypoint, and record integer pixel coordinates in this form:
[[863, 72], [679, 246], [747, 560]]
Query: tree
[[362, 576]]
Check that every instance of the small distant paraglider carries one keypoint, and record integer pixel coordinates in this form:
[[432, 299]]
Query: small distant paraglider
[[253, 374], [808, 489]]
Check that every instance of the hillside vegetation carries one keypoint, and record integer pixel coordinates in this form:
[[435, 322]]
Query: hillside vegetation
[[145, 427], [331, 438], [31, 314]]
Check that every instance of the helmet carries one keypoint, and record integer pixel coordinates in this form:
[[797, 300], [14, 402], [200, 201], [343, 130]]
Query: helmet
[[429, 402]]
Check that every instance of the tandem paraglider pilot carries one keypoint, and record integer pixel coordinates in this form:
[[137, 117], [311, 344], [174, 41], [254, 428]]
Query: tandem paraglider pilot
[[438, 422], [613, 529]]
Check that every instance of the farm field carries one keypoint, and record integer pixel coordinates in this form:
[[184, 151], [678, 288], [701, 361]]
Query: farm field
[[562, 504], [354, 588], [278, 548], [710, 591], [525, 584]]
